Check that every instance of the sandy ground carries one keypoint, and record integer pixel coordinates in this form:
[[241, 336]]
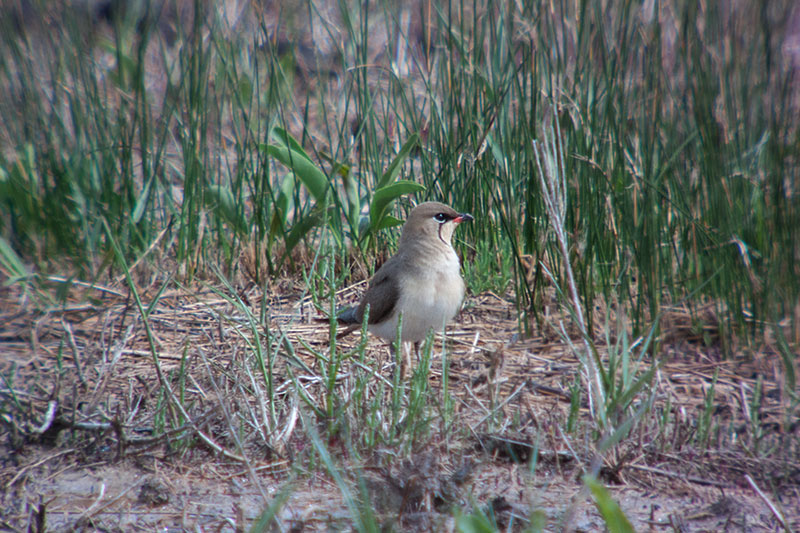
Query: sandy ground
[[84, 479]]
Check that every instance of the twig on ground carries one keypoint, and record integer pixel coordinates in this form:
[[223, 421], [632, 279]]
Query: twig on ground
[[34, 465], [778, 515]]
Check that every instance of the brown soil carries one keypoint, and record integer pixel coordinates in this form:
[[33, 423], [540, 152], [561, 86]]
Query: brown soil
[[97, 463], [87, 443]]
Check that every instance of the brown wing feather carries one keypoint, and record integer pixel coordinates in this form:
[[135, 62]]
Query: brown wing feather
[[381, 296]]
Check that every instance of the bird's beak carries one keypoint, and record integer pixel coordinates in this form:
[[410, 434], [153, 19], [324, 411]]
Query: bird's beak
[[463, 217]]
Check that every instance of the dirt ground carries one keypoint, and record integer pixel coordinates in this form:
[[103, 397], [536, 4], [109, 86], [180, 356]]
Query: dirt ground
[[75, 476], [81, 448], [152, 494]]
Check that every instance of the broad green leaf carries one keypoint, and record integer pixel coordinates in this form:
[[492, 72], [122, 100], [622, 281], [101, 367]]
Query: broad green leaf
[[287, 141], [285, 199], [11, 263], [394, 167], [310, 174], [337, 167], [283, 204], [302, 227], [388, 221], [221, 198], [353, 200], [615, 519], [383, 198]]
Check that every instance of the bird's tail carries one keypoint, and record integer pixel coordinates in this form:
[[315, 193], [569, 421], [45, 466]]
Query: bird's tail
[[348, 315], [345, 316]]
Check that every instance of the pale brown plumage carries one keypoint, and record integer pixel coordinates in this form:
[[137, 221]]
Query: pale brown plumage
[[422, 280]]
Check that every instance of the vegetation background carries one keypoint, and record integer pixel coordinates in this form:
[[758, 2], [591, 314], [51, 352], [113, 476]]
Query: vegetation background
[[262, 154]]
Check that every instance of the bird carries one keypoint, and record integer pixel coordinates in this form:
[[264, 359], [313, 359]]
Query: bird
[[421, 281]]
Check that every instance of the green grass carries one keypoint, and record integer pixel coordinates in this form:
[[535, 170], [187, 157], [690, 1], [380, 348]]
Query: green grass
[[121, 147], [681, 146]]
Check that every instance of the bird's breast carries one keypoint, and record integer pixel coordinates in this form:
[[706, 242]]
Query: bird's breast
[[429, 297]]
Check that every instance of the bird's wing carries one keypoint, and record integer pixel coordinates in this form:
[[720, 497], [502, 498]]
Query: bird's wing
[[381, 296]]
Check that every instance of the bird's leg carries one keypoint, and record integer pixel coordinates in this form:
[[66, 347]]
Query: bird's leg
[[407, 350], [398, 360], [403, 360], [392, 357]]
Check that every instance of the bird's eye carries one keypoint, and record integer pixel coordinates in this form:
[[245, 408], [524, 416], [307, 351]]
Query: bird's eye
[[441, 217]]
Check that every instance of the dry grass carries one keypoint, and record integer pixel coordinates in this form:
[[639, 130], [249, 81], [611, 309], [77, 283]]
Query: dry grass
[[92, 439], [86, 392]]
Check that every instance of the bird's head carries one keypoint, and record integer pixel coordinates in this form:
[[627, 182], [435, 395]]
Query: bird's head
[[432, 220]]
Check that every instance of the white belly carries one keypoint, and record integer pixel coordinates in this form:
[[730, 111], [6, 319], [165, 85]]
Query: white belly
[[428, 300]]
